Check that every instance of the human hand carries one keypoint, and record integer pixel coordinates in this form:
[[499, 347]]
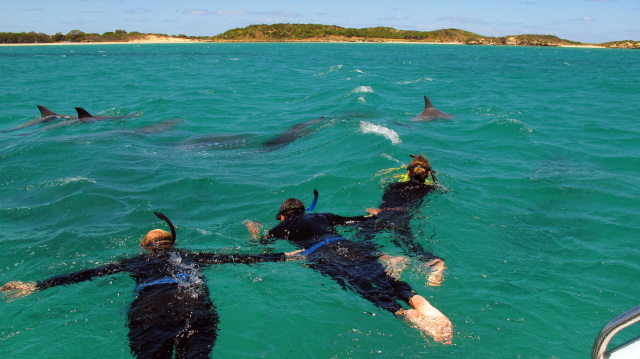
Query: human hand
[[394, 265], [373, 211], [295, 255], [435, 270], [17, 289], [254, 228]]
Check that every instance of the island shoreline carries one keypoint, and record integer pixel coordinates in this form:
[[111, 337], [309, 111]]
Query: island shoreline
[[177, 40]]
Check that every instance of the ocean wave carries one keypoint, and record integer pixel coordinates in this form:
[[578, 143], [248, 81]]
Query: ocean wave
[[62, 182], [74, 179], [416, 81], [362, 89], [511, 124], [330, 70], [391, 135]]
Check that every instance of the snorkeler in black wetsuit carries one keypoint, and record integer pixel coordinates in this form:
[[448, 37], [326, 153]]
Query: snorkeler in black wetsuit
[[353, 265], [172, 308], [399, 202]]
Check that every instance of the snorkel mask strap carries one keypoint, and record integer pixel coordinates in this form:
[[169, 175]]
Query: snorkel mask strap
[[315, 200], [164, 218]]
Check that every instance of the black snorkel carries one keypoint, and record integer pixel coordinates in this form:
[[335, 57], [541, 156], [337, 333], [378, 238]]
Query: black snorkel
[[164, 218], [433, 175], [315, 200]]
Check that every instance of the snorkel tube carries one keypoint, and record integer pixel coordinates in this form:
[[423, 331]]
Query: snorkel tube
[[315, 200], [433, 175], [164, 218]]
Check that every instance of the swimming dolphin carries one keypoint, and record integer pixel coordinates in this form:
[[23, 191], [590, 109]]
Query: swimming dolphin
[[85, 116], [46, 116], [291, 134], [430, 113]]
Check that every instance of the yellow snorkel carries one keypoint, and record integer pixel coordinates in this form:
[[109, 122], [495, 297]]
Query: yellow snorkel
[[402, 176]]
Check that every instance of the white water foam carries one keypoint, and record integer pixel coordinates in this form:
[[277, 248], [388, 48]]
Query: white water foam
[[362, 89], [422, 79], [367, 127]]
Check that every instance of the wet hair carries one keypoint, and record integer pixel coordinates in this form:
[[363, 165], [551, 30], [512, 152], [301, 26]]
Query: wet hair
[[157, 238], [419, 168], [290, 208]]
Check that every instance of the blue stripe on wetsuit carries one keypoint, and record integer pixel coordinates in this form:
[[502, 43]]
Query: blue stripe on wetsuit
[[320, 244], [166, 280]]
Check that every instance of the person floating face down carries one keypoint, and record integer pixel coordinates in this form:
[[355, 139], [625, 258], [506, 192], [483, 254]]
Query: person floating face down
[[353, 265], [172, 309], [400, 201]]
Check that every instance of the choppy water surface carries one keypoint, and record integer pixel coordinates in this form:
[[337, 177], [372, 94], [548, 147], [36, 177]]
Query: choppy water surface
[[538, 226]]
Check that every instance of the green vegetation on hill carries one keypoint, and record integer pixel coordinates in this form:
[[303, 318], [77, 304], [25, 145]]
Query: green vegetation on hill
[[74, 36], [24, 38], [327, 33], [302, 32], [625, 44]]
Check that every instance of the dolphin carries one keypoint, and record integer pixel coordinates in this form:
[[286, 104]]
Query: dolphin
[[46, 116], [291, 134], [430, 113], [83, 117]]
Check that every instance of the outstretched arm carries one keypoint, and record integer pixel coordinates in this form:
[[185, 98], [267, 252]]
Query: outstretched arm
[[80, 276], [212, 258], [18, 289]]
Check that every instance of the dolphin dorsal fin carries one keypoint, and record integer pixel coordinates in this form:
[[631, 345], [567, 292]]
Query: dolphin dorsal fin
[[45, 112], [427, 103], [82, 113]]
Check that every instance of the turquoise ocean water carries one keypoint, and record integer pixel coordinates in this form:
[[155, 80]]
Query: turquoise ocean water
[[538, 223]]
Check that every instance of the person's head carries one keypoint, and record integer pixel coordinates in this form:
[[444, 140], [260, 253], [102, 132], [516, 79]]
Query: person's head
[[419, 169], [157, 239], [290, 208]]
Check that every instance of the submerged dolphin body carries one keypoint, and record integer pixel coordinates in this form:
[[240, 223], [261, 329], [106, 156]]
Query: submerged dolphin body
[[291, 134], [46, 116], [218, 141], [430, 113]]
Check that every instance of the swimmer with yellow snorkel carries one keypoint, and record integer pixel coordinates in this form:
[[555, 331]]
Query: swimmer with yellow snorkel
[[400, 201], [353, 265], [172, 309]]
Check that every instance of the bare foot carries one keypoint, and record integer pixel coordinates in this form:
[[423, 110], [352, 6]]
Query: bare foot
[[429, 319], [394, 265], [435, 271]]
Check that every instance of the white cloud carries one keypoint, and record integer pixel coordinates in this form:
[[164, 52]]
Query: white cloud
[[196, 12], [463, 20]]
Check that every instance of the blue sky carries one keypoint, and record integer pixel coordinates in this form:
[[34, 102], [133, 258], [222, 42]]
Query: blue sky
[[592, 21]]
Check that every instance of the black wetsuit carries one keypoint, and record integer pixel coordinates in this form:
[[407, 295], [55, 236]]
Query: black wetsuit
[[353, 265], [399, 202], [172, 307]]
